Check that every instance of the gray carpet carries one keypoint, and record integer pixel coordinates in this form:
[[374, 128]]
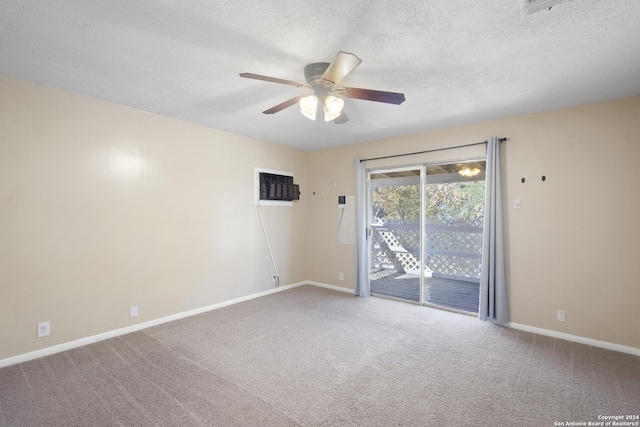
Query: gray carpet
[[315, 357]]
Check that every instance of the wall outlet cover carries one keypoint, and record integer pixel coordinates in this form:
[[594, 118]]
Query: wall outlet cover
[[44, 329]]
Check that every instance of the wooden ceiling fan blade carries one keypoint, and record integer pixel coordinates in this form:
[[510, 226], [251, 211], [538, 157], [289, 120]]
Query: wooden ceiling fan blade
[[343, 64], [374, 95], [342, 118], [273, 80], [285, 104]]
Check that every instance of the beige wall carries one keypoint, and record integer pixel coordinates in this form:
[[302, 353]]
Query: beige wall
[[574, 244], [103, 207]]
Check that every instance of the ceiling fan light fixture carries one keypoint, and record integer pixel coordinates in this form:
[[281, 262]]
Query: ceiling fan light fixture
[[468, 172], [332, 108], [328, 116], [334, 104], [309, 106]]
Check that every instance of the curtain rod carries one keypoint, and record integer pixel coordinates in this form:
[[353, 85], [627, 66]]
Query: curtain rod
[[430, 151]]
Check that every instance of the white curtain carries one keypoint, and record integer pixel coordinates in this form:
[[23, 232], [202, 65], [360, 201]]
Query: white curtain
[[493, 286], [362, 260]]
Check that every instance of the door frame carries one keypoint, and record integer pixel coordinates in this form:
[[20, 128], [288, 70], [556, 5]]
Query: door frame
[[422, 167]]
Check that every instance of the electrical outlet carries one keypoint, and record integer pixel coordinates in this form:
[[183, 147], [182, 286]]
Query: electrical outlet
[[133, 311], [561, 315], [341, 276], [44, 329]]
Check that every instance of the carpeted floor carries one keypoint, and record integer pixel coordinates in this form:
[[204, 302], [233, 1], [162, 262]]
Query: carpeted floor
[[314, 357]]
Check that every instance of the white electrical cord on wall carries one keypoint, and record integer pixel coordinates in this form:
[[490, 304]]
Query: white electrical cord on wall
[[276, 277], [341, 207]]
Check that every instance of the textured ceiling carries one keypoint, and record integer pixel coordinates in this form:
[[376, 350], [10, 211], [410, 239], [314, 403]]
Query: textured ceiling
[[457, 61]]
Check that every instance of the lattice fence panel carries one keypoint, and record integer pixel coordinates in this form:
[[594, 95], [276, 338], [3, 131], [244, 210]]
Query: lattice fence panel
[[453, 222], [456, 241], [409, 239], [397, 246], [455, 265], [409, 263], [462, 243], [382, 256], [390, 251]]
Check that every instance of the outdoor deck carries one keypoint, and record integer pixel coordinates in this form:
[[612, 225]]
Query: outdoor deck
[[457, 294]]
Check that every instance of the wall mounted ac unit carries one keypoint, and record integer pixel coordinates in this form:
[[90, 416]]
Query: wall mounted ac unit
[[274, 188], [533, 6], [278, 187]]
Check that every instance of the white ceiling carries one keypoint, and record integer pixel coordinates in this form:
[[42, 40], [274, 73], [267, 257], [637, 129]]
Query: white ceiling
[[457, 61]]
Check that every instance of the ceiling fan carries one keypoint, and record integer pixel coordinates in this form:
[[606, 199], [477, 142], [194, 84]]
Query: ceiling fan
[[323, 79]]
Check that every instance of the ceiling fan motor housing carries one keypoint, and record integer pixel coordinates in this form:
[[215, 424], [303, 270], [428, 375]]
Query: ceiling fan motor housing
[[313, 72]]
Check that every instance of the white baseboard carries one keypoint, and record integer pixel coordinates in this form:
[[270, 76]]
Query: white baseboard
[[567, 337], [133, 328], [575, 338], [532, 329], [326, 286]]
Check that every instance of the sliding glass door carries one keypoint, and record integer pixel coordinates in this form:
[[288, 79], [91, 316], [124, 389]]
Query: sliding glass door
[[426, 233], [395, 224], [454, 214]]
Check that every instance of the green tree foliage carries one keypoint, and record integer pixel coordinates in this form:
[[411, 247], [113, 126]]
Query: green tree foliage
[[447, 204], [401, 203], [456, 203]]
